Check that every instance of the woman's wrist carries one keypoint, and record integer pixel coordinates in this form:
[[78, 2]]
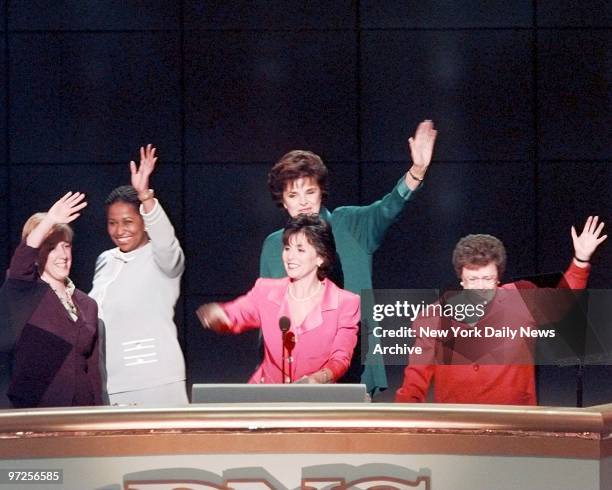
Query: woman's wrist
[[146, 195], [581, 262]]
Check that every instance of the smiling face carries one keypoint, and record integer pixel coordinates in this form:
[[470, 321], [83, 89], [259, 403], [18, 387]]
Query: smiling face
[[302, 196], [125, 226], [59, 261], [300, 257]]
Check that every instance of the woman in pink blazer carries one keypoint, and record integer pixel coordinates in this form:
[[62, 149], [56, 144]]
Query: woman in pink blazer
[[320, 319]]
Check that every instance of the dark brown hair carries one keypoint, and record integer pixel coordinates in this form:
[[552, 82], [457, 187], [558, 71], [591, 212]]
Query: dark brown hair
[[479, 250], [318, 233], [295, 165]]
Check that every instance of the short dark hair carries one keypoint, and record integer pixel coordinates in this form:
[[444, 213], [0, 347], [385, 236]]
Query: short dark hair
[[319, 234], [295, 165], [124, 193], [479, 250]]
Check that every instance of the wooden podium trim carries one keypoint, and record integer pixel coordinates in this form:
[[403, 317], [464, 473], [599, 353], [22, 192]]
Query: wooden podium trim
[[308, 428]]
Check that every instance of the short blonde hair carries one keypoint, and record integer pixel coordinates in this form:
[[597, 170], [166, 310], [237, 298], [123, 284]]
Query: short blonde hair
[[34, 220]]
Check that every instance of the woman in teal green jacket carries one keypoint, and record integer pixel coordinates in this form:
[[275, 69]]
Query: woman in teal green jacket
[[298, 183]]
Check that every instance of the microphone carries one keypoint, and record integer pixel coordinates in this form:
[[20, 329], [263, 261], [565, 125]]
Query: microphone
[[289, 343], [284, 324]]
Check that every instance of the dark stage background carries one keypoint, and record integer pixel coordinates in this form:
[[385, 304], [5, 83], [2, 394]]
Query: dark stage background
[[519, 91]]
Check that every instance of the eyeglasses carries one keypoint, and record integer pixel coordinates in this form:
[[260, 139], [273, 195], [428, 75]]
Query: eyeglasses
[[486, 280]]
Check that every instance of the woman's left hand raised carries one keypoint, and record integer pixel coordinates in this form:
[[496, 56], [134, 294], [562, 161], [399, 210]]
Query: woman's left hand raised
[[421, 147], [141, 174], [66, 209], [587, 242]]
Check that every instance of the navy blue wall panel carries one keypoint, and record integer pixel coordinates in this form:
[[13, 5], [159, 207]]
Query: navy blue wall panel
[[92, 97], [413, 14], [557, 386], [109, 15], [228, 216], [270, 15], [3, 98], [570, 13], [252, 95], [475, 85], [575, 102], [597, 386], [4, 236]]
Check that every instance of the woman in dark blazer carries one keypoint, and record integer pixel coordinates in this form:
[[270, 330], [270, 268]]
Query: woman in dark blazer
[[55, 358]]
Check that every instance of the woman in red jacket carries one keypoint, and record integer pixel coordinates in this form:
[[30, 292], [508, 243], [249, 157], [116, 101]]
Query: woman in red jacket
[[479, 262]]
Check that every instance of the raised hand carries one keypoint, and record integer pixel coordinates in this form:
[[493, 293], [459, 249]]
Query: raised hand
[[141, 174], [421, 147], [587, 242], [67, 208], [213, 317]]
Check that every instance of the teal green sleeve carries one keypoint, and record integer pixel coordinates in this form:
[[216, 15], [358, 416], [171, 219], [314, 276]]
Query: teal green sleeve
[[270, 261], [368, 224], [264, 266]]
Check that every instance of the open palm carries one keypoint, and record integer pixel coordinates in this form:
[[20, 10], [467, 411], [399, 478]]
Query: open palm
[[141, 174], [587, 242]]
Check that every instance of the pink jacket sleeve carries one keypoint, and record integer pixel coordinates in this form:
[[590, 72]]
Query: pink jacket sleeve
[[243, 312], [346, 337]]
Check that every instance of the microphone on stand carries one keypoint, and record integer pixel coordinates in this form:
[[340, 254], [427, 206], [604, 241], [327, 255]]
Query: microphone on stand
[[284, 324], [289, 343]]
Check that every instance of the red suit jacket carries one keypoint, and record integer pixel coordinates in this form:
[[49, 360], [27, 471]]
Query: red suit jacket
[[508, 384]]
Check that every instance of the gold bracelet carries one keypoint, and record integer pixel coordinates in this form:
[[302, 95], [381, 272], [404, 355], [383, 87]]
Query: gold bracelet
[[146, 195]]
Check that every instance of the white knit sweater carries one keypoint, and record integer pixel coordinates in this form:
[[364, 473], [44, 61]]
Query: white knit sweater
[[136, 293]]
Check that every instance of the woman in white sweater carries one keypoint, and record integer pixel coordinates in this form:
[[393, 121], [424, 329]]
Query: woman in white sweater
[[136, 286]]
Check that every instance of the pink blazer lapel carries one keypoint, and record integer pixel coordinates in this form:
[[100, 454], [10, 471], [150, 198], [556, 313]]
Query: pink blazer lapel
[[329, 302], [278, 296]]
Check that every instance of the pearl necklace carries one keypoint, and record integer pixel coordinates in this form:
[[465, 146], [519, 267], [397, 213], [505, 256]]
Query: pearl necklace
[[307, 297]]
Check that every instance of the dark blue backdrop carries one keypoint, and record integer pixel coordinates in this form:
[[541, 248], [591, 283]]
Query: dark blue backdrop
[[519, 92]]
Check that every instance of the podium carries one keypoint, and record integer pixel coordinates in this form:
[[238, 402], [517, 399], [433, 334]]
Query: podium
[[313, 446]]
